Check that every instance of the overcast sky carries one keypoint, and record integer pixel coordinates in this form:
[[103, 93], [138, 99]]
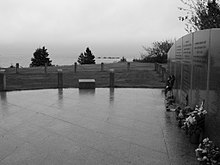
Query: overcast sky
[[107, 26]]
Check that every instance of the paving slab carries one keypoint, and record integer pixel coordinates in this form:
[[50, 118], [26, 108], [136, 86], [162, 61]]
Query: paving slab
[[101, 126]]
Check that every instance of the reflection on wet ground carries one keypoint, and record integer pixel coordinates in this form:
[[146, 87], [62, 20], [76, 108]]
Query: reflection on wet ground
[[102, 126]]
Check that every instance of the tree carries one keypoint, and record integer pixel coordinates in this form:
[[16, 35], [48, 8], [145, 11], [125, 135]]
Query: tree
[[123, 59], [81, 59], [40, 58], [200, 14], [87, 57], [157, 52]]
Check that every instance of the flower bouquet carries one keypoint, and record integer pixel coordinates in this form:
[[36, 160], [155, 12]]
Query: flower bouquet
[[169, 102], [181, 115], [207, 153], [194, 123]]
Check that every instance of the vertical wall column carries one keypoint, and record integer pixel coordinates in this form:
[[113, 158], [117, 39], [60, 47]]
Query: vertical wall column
[[155, 66], [102, 66], [163, 70], [60, 78], [45, 68], [2, 80], [16, 67], [111, 78], [128, 66], [75, 67]]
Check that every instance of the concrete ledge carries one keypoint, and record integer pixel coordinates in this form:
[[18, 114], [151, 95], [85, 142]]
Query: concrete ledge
[[86, 83]]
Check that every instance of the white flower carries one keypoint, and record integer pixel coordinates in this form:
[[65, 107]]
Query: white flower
[[204, 158], [205, 140], [204, 112], [199, 159]]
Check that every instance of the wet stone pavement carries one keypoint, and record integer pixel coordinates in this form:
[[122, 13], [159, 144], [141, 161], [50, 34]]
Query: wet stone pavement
[[90, 127]]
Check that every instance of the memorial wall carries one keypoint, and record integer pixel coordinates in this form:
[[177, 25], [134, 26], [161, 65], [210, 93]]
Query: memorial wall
[[194, 60]]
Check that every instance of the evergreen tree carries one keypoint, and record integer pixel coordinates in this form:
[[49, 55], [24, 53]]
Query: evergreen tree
[[40, 58], [81, 59], [87, 57]]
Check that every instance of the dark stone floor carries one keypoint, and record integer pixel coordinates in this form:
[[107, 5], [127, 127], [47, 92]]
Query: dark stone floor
[[100, 127]]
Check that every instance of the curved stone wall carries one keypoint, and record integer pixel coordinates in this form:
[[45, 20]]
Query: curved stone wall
[[194, 59]]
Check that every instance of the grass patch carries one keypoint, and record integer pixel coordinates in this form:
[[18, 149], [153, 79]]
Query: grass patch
[[140, 75]]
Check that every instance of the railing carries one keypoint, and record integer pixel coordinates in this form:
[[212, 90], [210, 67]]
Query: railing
[[162, 71], [125, 75]]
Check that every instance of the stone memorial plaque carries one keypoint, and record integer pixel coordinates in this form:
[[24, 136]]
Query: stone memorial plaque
[[187, 48], [201, 47], [178, 51], [200, 66], [171, 57], [186, 83], [178, 58], [177, 84], [187, 68]]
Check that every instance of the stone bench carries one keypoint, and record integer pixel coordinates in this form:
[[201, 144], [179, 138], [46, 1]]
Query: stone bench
[[86, 83]]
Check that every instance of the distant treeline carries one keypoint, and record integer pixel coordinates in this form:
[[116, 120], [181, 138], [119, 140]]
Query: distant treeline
[[157, 52], [160, 59]]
